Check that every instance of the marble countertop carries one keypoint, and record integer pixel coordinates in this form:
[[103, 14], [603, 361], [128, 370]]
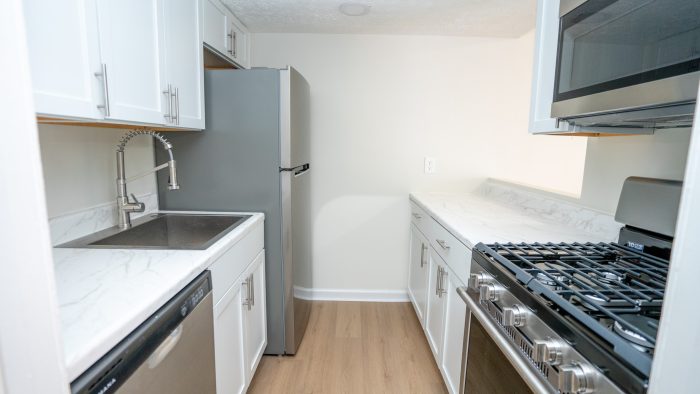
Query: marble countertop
[[501, 213], [104, 294]]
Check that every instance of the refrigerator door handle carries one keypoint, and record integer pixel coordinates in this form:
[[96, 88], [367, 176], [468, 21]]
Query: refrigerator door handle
[[298, 170], [303, 170]]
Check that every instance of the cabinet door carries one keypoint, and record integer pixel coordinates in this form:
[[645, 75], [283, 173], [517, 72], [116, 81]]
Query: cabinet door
[[183, 62], [215, 27], [455, 314], [255, 316], [64, 57], [228, 342], [238, 42], [418, 273], [130, 46], [436, 305]]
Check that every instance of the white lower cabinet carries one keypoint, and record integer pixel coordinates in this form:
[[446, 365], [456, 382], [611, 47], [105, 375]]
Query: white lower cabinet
[[228, 342], [453, 337], [418, 272], [240, 314], [436, 305], [432, 289], [240, 329], [254, 315]]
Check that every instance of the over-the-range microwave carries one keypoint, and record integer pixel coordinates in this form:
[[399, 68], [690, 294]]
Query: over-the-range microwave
[[627, 63]]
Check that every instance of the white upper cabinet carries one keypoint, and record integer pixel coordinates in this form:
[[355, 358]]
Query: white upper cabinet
[[118, 61], [544, 72], [130, 46], [184, 76], [64, 57], [238, 42], [225, 35], [215, 28]]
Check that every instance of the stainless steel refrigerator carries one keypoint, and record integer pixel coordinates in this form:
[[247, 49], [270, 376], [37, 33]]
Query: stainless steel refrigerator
[[254, 156]]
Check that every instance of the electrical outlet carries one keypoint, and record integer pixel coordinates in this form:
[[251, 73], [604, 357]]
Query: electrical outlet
[[429, 164]]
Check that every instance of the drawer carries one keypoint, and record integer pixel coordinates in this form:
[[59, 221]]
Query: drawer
[[227, 268], [421, 219], [457, 256]]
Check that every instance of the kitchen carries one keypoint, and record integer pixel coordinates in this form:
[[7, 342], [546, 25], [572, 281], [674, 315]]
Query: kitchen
[[435, 109]]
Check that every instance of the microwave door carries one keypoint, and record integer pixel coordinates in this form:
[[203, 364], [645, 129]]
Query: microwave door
[[619, 54]]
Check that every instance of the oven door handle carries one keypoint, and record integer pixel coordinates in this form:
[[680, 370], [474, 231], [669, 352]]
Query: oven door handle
[[533, 380]]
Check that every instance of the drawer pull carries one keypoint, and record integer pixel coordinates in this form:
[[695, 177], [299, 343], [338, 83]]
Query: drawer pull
[[417, 216], [443, 244]]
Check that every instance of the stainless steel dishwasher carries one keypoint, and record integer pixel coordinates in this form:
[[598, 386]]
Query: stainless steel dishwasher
[[171, 352]]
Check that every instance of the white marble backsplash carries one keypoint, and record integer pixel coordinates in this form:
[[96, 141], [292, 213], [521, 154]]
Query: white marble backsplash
[[549, 207], [80, 223]]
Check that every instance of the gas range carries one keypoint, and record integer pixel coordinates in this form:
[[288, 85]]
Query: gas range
[[602, 300], [581, 317]]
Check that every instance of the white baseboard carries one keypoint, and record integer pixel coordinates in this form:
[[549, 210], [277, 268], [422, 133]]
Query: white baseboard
[[351, 295]]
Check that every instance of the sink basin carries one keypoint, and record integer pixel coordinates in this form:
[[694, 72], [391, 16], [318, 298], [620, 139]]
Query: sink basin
[[163, 231]]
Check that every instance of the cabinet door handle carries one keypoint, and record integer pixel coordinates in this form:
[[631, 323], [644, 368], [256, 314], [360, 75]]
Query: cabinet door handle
[[443, 275], [177, 106], [235, 45], [168, 94], [417, 216], [423, 249], [252, 288], [443, 244], [230, 42], [437, 281], [246, 301], [105, 88]]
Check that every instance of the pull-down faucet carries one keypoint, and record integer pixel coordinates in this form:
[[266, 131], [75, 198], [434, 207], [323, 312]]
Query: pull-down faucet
[[126, 207]]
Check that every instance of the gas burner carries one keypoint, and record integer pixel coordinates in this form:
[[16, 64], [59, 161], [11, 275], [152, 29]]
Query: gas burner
[[645, 324], [548, 280], [592, 301], [607, 277]]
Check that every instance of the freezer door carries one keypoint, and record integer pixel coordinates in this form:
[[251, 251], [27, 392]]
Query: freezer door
[[295, 119], [295, 178]]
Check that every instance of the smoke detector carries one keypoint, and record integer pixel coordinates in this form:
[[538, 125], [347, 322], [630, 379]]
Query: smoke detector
[[354, 9]]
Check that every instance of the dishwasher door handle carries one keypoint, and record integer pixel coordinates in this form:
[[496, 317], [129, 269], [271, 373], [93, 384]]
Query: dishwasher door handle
[[165, 348]]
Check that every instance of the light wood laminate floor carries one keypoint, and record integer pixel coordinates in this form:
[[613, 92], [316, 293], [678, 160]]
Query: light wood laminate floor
[[355, 347]]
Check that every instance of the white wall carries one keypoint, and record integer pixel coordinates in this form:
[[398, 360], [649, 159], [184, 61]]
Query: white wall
[[609, 160], [382, 103], [80, 166]]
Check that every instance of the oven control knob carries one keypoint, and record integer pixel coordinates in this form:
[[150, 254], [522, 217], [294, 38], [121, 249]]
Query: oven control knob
[[489, 292], [546, 351], [514, 316], [478, 279], [575, 378]]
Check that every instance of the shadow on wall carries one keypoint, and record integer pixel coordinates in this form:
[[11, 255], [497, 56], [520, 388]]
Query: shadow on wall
[[610, 160], [356, 245]]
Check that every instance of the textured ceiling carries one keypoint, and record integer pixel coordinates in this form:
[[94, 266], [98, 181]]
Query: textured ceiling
[[493, 18]]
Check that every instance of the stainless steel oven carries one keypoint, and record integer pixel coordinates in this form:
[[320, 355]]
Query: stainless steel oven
[[508, 348], [622, 56], [489, 363]]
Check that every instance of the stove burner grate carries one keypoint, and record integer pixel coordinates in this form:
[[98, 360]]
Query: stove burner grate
[[605, 281]]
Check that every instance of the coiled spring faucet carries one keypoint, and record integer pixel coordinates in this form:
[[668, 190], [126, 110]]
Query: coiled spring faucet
[[126, 207]]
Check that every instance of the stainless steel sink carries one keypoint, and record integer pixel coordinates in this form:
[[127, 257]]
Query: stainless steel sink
[[163, 231]]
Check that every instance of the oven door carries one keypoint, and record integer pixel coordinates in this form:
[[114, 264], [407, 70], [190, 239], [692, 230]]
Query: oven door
[[615, 55], [490, 363]]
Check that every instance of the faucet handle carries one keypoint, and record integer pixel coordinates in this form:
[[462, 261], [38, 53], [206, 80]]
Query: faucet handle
[[140, 206]]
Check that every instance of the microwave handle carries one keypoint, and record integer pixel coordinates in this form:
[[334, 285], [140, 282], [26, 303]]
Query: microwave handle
[[512, 354]]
